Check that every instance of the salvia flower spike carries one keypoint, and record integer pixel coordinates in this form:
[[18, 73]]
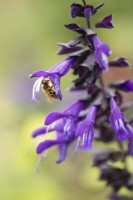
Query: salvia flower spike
[[99, 114]]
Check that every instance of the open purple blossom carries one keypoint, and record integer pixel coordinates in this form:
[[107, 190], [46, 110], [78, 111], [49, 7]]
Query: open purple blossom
[[54, 74], [105, 23], [117, 121], [102, 52], [85, 129], [46, 129], [126, 86], [64, 124], [62, 140], [71, 113]]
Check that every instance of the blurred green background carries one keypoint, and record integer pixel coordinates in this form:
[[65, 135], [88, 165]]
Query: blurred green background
[[29, 30]]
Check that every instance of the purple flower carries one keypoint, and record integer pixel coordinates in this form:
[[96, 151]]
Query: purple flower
[[53, 75], [62, 141], [69, 118], [85, 129], [126, 86], [71, 113], [117, 121], [119, 62], [102, 51], [105, 23], [64, 124]]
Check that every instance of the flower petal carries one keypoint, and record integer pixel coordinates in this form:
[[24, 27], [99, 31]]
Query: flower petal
[[101, 59], [39, 131], [105, 49], [40, 73], [75, 108], [80, 128], [102, 51], [117, 121], [62, 147], [55, 79], [69, 128], [47, 144], [90, 118], [63, 67], [87, 138], [36, 87], [119, 128], [53, 116]]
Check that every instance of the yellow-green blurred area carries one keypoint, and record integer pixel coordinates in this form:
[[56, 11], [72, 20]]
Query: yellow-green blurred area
[[29, 30]]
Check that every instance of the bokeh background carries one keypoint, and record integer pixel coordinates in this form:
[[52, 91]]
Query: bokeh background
[[29, 30]]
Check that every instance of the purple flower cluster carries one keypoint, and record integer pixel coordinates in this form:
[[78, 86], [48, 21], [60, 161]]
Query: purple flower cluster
[[99, 115]]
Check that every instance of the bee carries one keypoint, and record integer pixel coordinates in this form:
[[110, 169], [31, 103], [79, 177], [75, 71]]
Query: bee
[[48, 89]]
